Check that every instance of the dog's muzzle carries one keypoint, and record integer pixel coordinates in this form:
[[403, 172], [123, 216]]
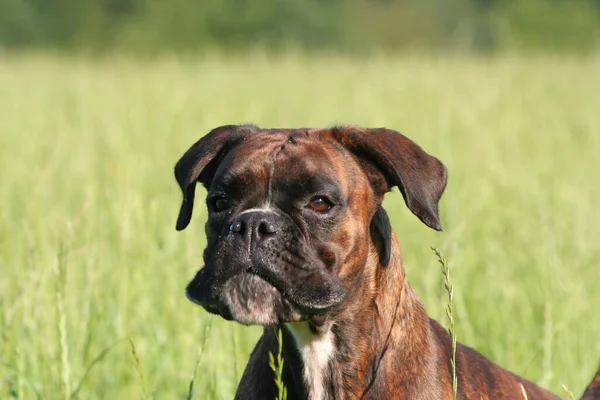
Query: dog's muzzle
[[262, 259]]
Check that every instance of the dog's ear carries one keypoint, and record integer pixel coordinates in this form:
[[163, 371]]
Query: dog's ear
[[420, 177], [199, 163], [381, 232]]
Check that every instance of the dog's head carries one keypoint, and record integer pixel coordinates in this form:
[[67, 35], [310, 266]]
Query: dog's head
[[292, 214]]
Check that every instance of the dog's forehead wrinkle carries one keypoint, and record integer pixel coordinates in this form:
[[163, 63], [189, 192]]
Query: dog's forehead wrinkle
[[270, 177], [307, 166]]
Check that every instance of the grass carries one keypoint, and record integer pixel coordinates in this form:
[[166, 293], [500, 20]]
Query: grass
[[138, 368], [449, 288], [207, 327], [86, 155], [276, 365]]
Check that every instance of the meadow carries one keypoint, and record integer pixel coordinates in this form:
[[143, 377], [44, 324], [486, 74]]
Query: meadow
[[90, 262]]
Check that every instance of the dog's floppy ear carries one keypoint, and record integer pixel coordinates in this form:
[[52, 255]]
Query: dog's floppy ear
[[420, 177], [197, 164]]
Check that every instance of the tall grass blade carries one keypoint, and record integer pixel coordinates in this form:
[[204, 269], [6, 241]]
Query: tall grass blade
[[190, 393], [65, 365], [524, 392], [94, 361], [449, 313], [570, 394], [138, 368], [276, 364]]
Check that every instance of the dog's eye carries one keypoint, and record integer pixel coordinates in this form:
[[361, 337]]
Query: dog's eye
[[320, 204], [220, 204]]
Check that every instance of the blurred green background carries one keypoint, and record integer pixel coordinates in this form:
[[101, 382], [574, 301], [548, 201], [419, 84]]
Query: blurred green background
[[335, 25], [99, 98]]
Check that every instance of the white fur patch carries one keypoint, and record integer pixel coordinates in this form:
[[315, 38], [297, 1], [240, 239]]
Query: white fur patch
[[266, 207], [316, 350]]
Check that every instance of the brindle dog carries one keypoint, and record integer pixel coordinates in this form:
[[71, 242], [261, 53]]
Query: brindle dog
[[297, 239]]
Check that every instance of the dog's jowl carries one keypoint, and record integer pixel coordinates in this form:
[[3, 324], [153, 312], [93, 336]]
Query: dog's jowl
[[297, 239]]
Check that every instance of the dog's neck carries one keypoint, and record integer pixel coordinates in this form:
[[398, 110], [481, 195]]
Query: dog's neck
[[347, 357]]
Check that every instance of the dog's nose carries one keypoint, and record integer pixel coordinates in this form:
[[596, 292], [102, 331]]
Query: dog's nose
[[254, 227]]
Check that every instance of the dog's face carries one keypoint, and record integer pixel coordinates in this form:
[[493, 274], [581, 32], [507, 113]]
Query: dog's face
[[292, 214]]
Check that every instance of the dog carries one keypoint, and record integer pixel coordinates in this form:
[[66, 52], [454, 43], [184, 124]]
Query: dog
[[297, 239]]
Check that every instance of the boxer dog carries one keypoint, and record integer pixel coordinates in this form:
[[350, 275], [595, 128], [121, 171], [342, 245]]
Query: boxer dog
[[297, 239]]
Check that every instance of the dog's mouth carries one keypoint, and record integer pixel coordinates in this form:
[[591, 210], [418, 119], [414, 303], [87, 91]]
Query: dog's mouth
[[246, 298], [256, 295]]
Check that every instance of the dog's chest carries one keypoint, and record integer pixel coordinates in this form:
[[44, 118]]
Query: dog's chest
[[316, 351]]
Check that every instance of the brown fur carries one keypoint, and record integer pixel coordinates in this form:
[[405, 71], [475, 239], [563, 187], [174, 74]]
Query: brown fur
[[386, 347], [592, 392]]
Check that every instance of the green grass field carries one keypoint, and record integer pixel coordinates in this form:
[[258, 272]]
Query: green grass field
[[89, 256]]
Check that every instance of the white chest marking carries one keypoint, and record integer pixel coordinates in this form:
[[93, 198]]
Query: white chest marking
[[316, 351]]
